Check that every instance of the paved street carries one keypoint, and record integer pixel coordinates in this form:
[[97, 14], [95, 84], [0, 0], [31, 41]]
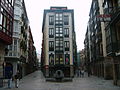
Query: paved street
[[36, 81]]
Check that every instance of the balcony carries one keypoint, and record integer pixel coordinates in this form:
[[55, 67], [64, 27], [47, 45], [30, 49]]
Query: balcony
[[7, 39]]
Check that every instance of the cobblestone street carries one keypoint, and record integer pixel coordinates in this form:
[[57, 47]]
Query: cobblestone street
[[36, 81]]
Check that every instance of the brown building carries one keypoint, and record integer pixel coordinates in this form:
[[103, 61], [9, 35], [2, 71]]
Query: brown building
[[32, 58], [6, 29]]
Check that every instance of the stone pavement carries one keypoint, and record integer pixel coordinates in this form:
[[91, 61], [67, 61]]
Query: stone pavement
[[36, 81]]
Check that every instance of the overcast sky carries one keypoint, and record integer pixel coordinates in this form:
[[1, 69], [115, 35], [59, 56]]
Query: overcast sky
[[35, 10]]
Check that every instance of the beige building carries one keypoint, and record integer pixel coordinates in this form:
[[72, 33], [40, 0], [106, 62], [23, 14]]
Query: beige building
[[59, 44]]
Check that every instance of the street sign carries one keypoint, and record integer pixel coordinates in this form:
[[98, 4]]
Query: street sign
[[104, 18]]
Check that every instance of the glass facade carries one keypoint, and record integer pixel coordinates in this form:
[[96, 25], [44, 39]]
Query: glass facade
[[59, 33]]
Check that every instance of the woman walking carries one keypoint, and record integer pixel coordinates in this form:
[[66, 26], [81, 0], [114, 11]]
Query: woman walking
[[17, 78], [82, 72]]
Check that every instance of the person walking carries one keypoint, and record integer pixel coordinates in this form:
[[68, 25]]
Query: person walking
[[9, 76], [17, 78], [77, 72], [82, 72]]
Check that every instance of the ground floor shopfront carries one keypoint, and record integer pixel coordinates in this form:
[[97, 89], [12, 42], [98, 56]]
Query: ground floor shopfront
[[108, 68], [67, 70]]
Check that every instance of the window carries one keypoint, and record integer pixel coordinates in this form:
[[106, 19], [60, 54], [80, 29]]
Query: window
[[51, 20], [67, 45], [51, 45], [58, 18], [67, 59], [10, 50], [1, 19], [59, 44], [59, 31], [59, 59], [11, 28], [51, 59], [8, 27], [56, 59], [6, 22], [15, 44], [66, 20], [16, 26], [118, 3], [66, 32], [108, 41], [51, 32]]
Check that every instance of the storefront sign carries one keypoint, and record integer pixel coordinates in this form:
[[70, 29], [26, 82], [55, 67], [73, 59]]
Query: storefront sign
[[104, 17]]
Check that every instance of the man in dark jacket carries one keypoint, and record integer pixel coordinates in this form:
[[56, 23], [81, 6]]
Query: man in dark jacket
[[9, 76]]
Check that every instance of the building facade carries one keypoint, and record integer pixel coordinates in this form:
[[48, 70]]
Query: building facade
[[93, 41], [82, 59], [6, 29], [111, 8], [59, 42], [17, 55], [12, 57], [102, 40], [32, 56], [78, 59]]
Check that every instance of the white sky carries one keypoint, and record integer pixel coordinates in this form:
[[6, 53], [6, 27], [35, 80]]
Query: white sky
[[35, 10]]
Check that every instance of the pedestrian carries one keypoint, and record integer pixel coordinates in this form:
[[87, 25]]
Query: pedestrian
[[9, 76], [82, 72], [89, 72], [17, 78], [79, 71]]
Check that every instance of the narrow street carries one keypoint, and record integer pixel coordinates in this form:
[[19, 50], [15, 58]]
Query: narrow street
[[36, 81]]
